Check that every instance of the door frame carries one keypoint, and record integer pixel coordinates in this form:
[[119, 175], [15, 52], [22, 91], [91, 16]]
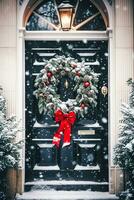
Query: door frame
[[24, 35]]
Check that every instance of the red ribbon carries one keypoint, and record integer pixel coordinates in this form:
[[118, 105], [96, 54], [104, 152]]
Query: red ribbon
[[66, 121]]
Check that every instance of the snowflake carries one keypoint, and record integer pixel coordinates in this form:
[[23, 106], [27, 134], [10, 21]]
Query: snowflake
[[27, 73], [106, 54], [104, 120]]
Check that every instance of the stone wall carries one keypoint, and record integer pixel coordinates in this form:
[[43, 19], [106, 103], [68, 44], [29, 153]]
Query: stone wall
[[8, 45], [123, 58]]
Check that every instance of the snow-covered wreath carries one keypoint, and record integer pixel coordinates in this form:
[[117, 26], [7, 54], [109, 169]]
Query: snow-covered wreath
[[47, 81]]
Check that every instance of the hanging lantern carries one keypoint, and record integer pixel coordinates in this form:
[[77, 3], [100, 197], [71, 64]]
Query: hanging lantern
[[66, 11], [104, 90]]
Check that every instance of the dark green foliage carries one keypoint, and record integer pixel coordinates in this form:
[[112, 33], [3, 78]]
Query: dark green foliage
[[9, 148], [124, 150], [85, 80]]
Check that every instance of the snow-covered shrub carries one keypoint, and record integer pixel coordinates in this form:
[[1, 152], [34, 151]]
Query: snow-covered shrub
[[9, 147], [124, 150]]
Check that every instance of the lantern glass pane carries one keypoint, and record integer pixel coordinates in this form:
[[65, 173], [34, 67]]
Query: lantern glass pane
[[47, 11], [65, 17], [86, 10]]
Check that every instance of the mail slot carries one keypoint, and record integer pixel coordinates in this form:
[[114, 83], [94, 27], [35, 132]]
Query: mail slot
[[86, 132]]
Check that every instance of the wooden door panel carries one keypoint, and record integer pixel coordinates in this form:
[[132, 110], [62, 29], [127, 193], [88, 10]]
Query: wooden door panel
[[47, 154], [68, 157], [87, 154], [86, 157]]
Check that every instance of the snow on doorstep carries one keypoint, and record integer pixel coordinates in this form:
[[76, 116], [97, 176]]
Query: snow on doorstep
[[80, 167], [65, 182], [62, 195]]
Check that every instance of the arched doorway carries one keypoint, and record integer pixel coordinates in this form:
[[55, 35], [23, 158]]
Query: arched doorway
[[89, 43]]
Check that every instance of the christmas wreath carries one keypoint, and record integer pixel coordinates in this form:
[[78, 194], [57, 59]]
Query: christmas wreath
[[47, 81]]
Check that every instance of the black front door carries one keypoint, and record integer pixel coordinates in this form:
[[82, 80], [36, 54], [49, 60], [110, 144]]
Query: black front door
[[86, 159]]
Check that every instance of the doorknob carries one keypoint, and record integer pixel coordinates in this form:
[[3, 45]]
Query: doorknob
[[104, 90]]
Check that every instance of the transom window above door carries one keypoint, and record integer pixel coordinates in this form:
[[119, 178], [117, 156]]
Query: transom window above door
[[85, 15]]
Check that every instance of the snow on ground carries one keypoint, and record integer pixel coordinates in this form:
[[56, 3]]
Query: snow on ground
[[66, 195]]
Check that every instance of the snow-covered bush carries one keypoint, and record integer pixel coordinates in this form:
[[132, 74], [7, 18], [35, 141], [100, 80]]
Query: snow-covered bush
[[9, 148], [124, 150]]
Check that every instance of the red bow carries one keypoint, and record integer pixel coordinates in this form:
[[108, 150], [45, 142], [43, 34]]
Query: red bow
[[66, 121]]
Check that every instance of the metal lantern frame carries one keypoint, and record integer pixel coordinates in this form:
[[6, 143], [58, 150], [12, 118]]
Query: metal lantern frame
[[66, 12]]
